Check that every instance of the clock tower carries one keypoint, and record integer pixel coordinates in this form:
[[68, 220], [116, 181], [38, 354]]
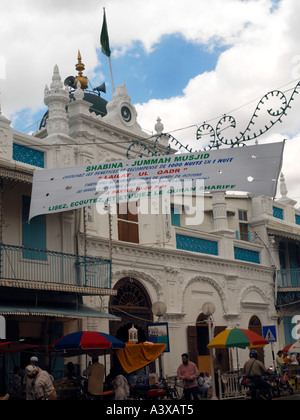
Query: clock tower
[[121, 112]]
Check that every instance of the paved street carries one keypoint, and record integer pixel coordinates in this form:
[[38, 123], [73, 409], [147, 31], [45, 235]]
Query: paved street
[[294, 397]]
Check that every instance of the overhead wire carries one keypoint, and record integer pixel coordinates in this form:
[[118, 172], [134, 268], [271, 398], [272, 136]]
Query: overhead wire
[[196, 125]]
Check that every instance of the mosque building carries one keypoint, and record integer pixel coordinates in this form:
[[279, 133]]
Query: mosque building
[[103, 269]]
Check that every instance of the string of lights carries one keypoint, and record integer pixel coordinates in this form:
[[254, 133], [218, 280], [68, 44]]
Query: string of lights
[[198, 126]]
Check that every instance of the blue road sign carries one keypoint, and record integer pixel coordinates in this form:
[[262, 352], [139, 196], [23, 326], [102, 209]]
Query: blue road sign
[[269, 333]]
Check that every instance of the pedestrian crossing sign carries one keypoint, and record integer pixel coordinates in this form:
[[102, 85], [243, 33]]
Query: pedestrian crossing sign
[[269, 333]]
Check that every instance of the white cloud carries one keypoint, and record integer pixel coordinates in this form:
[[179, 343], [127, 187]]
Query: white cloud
[[37, 35]]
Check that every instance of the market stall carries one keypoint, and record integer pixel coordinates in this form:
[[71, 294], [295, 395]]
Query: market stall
[[134, 360], [89, 343], [9, 360], [292, 351]]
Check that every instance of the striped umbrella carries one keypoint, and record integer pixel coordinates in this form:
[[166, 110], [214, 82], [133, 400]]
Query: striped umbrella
[[87, 341], [237, 337]]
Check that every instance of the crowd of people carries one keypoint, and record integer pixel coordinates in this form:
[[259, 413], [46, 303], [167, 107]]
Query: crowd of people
[[255, 370], [197, 384], [283, 359], [35, 383]]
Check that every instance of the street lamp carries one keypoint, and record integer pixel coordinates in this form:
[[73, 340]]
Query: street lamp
[[159, 309], [209, 309]]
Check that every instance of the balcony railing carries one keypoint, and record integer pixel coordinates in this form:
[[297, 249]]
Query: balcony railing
[[289, 278], [34, 265]]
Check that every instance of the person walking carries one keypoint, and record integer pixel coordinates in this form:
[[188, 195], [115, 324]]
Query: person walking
[[189, 373], [28, 382], [43, 383], [95, 373]]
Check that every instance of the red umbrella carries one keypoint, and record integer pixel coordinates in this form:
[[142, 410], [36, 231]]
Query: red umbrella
[[292, 347], [16, 347]]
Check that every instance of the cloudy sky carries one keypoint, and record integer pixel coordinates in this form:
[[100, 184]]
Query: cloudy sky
[[187, 62]]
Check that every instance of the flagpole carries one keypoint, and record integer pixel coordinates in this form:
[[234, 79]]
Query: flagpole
[[104, 40], [111, 75]]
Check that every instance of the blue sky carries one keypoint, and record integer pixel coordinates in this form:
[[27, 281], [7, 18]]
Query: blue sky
[[165, 71], [160, 74]]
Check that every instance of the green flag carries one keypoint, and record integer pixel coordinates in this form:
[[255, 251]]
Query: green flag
[[104, 38]]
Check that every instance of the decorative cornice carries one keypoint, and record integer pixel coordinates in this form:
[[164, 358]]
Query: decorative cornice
[[288, 233], [13, 170], [160, 256]]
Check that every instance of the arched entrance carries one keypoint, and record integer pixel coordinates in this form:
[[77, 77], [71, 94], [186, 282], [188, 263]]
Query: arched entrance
[[203, 361], [133, 305], [255, 326], [198, 338]]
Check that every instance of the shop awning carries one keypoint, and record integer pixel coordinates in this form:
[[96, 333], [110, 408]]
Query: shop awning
[[81, 311]]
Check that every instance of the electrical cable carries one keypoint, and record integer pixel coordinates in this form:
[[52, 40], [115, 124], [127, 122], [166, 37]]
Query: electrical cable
[[180, 128]]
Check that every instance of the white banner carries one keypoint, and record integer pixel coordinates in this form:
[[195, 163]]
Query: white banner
[[252, 169]]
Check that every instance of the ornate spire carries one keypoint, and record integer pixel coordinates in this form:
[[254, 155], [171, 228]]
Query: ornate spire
[[159, 127], [83, 80], [57, 99], [283, 191]]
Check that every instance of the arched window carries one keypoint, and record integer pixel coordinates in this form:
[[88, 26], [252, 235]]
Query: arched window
[[133, 305], [131, 294]]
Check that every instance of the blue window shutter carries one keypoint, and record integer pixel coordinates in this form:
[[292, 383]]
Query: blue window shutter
[[278, 213], [288, 326], [33, 233], [246, 255], [27, 155], [188, 243], [175, 217]]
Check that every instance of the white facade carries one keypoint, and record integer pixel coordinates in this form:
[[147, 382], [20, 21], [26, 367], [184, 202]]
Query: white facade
[[218, 261]]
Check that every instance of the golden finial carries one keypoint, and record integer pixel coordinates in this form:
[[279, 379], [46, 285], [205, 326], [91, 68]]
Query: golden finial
[[80, 78]]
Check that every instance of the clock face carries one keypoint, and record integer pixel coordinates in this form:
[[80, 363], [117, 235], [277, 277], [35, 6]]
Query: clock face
[[126, 113]]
